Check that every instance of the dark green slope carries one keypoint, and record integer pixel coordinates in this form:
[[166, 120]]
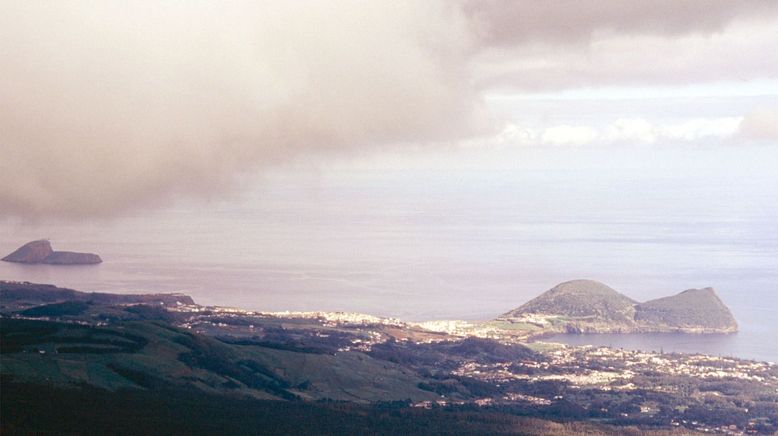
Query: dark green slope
[[153, 355]]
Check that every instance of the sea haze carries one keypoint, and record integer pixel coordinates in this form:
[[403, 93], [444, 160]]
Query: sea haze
[[422, 245]]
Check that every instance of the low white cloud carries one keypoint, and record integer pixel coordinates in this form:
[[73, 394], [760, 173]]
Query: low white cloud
[[568, 135], [701, 128], [625, 130], [621, 132], [760, 125]]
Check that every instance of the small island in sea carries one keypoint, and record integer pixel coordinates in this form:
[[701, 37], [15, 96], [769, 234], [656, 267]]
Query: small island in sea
[[40, 252], [187, 368]]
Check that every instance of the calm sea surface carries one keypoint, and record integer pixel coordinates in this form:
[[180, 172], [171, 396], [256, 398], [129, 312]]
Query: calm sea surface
[[446, 245]]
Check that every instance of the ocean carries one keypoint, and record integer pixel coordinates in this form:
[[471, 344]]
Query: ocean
[[422, 245]]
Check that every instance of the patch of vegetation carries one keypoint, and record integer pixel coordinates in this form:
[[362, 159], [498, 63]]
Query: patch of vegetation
[[140, 378], [147, 312], [448, 354], [18, 334], [210, 355], [66, 308], [507, 325]]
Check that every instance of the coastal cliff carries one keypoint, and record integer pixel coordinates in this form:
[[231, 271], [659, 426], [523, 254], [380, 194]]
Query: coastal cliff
[[23, 295]]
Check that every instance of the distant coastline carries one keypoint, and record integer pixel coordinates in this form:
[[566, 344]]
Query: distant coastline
[[168, 346], [524, 324]]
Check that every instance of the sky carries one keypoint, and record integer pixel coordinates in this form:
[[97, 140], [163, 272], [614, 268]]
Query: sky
[[113, 107]]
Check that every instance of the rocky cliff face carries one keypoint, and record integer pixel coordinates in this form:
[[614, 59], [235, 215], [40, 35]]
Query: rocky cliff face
[[41, 252], [70, 258], [31, 252]]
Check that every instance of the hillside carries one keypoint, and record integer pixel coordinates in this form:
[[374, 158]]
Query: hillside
[[161, 364], [581, 299], [691, 309], [111, 341], [592, 307]]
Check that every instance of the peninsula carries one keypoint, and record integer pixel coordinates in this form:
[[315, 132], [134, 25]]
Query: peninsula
[[588, 306]]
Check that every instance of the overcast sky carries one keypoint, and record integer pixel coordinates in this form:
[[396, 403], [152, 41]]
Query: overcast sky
[[113, 106]]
